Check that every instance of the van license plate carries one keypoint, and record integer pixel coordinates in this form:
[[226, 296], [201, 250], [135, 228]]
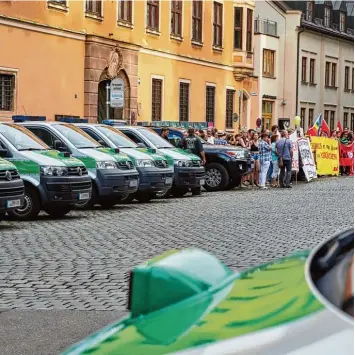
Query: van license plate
[[84, 196], [168, 181], [202, 182], [13, 203], [133, 183]]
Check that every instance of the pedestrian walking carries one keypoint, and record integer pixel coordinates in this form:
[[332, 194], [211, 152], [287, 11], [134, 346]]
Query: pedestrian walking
[[284, 151], [274, 161], [265, 159], [194, 144]]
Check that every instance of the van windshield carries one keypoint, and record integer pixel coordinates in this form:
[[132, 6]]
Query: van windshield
[[118, 138], [21, 138], [155, 139], [76, 136]]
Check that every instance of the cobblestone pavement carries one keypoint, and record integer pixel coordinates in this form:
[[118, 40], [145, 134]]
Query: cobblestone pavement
[[81, 262]]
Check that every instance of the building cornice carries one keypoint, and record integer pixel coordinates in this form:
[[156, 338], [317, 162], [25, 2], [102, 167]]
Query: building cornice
[[41, 28], [323, 30]]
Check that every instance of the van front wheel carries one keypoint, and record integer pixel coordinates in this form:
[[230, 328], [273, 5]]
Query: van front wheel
[[31, 207]]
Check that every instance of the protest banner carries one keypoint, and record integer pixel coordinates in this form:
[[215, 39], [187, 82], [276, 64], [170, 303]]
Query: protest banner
[[295, 163], [326, 155], [346, 154], [308, 165]]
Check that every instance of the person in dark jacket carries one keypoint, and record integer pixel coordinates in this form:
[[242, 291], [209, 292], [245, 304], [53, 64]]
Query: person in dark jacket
[[194, 144]]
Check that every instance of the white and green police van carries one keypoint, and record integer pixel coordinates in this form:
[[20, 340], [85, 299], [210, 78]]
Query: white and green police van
[[12, 191], [53, 181], [113, 174], [155, 173]]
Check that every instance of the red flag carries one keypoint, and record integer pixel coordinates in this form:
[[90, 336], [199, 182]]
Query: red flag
[[325, 127], [339, 127]]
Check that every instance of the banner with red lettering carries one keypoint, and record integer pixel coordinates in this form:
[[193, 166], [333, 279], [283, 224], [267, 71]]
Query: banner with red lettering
[[346, 154]]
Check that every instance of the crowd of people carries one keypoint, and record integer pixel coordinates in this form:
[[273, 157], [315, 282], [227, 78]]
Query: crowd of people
[[271, 151]]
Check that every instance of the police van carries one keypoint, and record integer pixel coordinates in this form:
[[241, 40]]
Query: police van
[[155, 173], [113, 174], [53, 181], [11, 187]]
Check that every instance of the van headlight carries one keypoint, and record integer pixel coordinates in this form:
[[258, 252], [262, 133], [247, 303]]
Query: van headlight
[[106, 165], [47, 170], [183, 163], [144, 163]]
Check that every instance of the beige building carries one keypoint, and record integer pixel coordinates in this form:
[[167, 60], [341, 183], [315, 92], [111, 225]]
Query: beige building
[[326, 62], [304, 58], [275, 60]]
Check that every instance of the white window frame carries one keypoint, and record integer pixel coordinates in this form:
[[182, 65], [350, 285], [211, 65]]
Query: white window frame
[[174, 36], [202, 23], [147, 30], [120, 22]]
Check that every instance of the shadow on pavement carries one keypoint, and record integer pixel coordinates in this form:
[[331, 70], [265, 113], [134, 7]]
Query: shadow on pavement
[[44, 332]]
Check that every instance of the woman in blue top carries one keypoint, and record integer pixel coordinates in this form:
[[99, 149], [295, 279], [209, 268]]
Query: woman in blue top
[[274, 161]]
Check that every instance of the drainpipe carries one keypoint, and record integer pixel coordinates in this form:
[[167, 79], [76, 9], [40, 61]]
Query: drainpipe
[[298, 66]]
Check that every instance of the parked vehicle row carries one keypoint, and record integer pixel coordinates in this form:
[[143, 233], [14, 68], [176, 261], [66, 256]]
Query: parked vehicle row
[[58, 166]]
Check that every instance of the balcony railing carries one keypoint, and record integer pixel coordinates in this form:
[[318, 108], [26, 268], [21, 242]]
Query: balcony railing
[[264, 26]]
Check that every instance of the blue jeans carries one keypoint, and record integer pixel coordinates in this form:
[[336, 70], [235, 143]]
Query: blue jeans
[[286, 173]]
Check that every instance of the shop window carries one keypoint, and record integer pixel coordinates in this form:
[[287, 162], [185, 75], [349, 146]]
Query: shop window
[[210, 103], [7, 90], [184, 101], [229, 107], [153, 15], [268, 63], [197, 7], [176, 18], [125, 11], [93, 7], [238, 28], [217, 24], [157, 90]]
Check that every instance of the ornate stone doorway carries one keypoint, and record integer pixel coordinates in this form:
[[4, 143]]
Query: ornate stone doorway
[[104, 61], [114, 113]]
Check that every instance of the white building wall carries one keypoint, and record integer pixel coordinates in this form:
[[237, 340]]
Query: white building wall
[[283, 86], [319, 97]]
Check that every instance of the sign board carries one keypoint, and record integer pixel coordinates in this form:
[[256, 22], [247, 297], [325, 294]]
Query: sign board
[[253, 94], [235, 117], [308, 165], [117, 93], [295, 162]]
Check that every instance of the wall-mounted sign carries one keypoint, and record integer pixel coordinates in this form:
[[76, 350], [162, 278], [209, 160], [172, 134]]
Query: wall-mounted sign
[[253, 94], [117, 93], [235, 117], [258, 122]]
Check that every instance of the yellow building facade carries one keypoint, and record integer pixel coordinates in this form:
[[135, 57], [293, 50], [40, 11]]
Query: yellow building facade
[[179, 60]]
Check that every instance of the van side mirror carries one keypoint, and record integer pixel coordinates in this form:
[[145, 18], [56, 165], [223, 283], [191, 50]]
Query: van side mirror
[[141, 145], [58, 145]]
